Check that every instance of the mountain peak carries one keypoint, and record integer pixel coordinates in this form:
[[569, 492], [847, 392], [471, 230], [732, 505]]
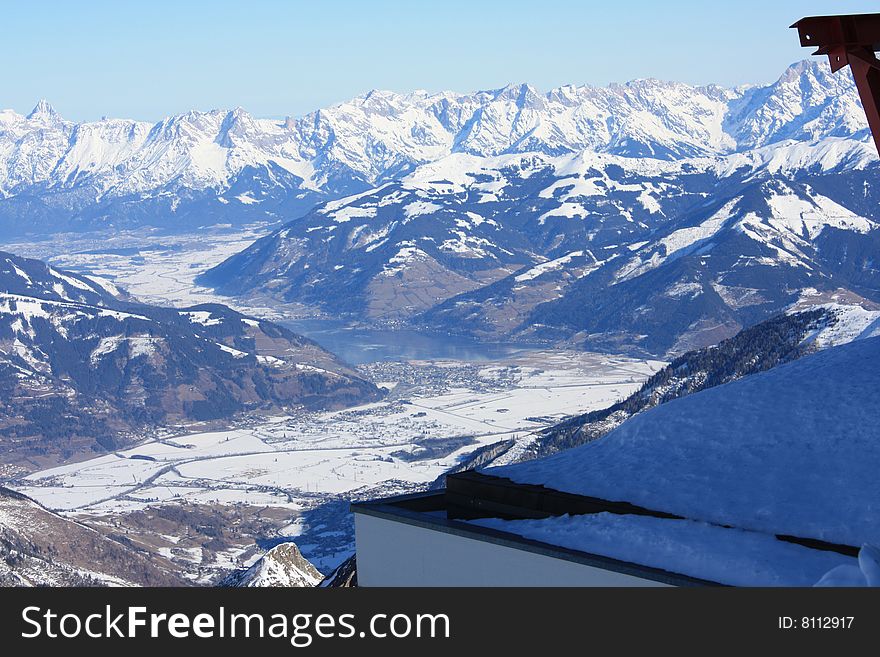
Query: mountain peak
[[283, 565], [814, 67], [522, 95], [43, 110], [377, 97]]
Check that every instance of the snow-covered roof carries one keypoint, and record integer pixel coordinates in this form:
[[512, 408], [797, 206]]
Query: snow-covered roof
[[795, 450], [696, 549]]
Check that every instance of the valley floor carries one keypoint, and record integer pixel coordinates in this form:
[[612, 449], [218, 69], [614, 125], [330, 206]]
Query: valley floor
[[155, 267], [215, 501], [303, 468]]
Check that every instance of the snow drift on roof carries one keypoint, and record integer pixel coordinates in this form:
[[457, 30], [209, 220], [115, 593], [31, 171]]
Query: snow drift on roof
[[697, 549]]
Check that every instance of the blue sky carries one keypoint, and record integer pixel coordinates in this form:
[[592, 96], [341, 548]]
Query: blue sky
[[146, 60]]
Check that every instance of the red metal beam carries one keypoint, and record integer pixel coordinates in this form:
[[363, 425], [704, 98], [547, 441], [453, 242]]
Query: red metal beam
[[850, 40]]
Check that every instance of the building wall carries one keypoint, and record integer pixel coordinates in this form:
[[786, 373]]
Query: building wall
[[391, 553]]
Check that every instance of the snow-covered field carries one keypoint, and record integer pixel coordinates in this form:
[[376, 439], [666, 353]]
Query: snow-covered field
[[439, 414], [338, 452], [154, 267]]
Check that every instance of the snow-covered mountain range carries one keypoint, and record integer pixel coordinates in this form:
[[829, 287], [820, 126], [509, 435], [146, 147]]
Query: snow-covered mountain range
[[648, 216], [225, 165], [663, 248], [598, 249]]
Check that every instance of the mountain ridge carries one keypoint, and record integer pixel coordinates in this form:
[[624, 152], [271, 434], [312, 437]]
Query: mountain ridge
[[74, 347], [588, 249], [225, 165]]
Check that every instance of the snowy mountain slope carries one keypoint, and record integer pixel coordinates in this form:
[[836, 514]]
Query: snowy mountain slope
[[464, 221], [40, 548], [26, 277], [853, 317], [756, 349], [807, 103], [283, 565], [765, 453], [750, 259], [803, 330], [594, 248], [70, 347], [220, 166]]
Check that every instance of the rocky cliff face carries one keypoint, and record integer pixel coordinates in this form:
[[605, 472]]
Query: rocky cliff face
[[345, 576]]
